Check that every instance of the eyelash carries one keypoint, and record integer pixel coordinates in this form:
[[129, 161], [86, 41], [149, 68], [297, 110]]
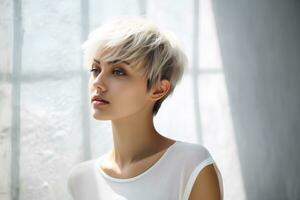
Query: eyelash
[[94, 70]]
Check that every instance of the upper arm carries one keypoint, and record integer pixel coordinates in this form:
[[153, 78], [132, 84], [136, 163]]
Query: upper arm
[[206, 185]]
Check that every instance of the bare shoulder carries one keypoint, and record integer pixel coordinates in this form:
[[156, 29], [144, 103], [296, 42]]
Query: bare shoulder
[[206, 185]]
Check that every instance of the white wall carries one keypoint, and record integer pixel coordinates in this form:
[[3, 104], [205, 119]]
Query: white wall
[[238, 97]]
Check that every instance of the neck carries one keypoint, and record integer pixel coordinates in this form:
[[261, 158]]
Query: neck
[[133, 138]]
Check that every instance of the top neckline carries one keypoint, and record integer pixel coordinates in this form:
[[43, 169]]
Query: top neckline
[[123, 180]]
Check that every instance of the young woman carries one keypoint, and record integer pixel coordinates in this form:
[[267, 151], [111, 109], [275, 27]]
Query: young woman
[[134, 68]]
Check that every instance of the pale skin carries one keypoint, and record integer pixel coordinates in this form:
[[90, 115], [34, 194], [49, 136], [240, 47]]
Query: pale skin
[[137, 145]]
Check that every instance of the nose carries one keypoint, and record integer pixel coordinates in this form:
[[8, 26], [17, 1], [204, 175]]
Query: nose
[[99, 83]]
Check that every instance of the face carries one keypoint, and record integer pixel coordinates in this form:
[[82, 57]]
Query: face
[[123, 87]]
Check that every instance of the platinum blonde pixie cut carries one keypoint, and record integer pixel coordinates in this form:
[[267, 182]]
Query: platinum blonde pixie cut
[[149, 50]]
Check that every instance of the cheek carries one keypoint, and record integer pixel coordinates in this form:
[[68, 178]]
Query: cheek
[[138, 94], [133, 93]]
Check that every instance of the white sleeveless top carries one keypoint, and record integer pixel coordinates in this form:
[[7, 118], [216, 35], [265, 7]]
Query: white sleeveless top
[[170, 178]]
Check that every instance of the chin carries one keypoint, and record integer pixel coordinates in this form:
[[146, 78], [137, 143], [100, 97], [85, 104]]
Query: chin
[[100, 117]]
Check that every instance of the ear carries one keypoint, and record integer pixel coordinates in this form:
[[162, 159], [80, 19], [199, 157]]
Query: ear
[[160, 90]]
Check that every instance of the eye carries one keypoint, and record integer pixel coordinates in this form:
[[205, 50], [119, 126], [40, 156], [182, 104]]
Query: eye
[[118, 72], [94, 71]]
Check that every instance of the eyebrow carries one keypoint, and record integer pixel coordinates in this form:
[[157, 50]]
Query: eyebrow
[[112, 62]]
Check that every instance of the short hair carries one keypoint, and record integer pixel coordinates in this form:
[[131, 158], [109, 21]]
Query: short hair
[[142, 43]]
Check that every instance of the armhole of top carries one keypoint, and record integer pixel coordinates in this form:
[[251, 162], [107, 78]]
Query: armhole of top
[[193, 177], [220, 181], [69, 186]]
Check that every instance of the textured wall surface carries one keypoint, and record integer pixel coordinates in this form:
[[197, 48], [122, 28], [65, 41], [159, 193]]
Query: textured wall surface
[[239, 96], [6, 30]]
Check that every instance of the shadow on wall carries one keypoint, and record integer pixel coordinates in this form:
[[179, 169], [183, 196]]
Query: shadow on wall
[[260, 50]]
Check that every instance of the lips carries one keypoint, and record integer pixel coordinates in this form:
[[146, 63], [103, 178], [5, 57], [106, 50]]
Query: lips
[[98, 98]]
